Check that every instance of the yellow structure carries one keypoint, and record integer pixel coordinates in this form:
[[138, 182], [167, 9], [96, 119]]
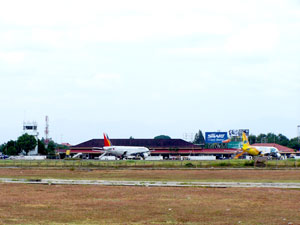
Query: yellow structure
[[247, 148]]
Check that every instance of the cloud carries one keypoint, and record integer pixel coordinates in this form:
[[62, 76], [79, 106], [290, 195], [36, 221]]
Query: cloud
[[192, 51], [254, 39], [12, 57], [52, 38], [111, 22], [99, 81], [195, 61]]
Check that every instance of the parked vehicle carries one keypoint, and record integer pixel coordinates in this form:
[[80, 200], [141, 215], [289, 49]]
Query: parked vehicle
[[3, 156]]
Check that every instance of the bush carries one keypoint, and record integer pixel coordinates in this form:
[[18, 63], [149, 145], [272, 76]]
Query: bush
[[249, 163], [189, 165], [224, 164]]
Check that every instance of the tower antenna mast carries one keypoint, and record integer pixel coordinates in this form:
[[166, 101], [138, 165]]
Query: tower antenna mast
[[47, 132]]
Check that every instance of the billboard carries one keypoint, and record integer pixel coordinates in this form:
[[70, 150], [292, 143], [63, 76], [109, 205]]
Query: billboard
[[235, 144], [216, 137], [238, 133]]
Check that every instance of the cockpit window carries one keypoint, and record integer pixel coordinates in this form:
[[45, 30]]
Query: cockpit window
[[273, 150]]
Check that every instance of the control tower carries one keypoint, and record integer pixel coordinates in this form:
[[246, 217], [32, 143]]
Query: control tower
[[30, 128]]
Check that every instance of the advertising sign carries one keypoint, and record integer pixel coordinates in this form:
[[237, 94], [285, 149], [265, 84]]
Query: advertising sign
[[216, 137], [238, 133], [235, 144]]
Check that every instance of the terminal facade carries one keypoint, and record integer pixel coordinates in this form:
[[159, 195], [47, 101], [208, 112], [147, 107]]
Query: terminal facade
[[167, 148]]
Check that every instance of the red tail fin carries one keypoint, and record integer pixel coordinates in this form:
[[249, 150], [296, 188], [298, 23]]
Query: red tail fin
[[106, 140]]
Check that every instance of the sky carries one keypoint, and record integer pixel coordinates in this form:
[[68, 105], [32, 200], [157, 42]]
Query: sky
[[144, 68]]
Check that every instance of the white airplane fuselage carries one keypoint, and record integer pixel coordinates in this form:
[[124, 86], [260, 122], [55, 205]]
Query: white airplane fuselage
[[123, 151], [268, 150]]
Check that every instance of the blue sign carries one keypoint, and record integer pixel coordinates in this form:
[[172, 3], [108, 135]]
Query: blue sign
[[215, 137]]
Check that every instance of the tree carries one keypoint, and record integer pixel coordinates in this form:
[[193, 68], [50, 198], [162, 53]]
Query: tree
[[162, 137], [271, 138], [283, 140], [60, 146], [262, 138], [199, 138], [41, 148], [252, 139], [51, 148], [10, 148], [11, 151], [2, 147], [27, 142], [294, 144]]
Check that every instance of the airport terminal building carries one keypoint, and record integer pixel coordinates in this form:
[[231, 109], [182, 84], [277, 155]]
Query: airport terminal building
[[167, 148]]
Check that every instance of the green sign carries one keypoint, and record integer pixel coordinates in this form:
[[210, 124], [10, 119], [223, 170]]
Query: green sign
[[235, 144]]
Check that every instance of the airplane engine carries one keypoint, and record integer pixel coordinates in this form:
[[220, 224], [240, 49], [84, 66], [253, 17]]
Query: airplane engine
[[278, 155], [145, 155], [123, 155]]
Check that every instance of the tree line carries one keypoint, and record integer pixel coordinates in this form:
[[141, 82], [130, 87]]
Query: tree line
[[277, 139], [26, 143]]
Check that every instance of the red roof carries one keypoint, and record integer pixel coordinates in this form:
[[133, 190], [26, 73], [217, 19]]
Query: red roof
[[220, 150], [281, 148]]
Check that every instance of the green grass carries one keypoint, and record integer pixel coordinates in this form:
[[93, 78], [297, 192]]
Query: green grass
[[146, 164], [183, 175]]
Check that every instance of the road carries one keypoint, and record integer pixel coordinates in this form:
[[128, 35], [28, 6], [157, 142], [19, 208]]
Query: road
[[151, 183]]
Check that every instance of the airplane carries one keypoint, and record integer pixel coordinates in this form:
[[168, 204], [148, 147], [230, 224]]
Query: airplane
[[258, 150], [122, 151]]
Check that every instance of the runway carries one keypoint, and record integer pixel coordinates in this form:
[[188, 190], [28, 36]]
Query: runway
[[151, 183]]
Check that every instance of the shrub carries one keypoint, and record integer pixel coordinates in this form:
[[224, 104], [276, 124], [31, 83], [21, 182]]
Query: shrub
[[249, 163], [224, 164], [189, 165]]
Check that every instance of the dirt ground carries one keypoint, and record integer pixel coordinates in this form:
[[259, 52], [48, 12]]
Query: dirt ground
[[80, 204], [158, 175]]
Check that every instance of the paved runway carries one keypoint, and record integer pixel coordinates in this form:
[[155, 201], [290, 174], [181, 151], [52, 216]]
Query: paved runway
[[151, 183]]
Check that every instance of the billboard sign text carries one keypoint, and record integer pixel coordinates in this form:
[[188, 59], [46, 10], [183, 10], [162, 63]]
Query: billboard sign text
[[216, 137]]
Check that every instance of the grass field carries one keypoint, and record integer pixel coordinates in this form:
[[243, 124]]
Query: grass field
[[56, 204], [147, 164], [92, 204], [236, 175]]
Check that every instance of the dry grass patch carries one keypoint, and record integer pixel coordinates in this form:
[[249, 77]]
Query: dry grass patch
[[56, 204], [158, 175]]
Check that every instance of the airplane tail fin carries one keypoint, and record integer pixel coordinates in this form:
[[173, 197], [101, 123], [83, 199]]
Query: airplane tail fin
[[106, 140], [245, 140]]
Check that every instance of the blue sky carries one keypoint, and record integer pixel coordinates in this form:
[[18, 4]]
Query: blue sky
[[140, 68]]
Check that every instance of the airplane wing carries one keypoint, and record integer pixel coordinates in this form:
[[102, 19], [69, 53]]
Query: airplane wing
[[102, 155], [240, 154], [97, 149]]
